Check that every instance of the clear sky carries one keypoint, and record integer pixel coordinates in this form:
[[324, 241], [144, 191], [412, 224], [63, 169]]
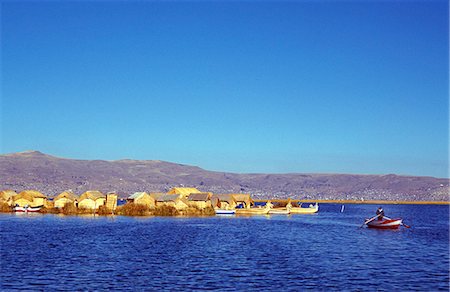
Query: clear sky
[[252, 86]]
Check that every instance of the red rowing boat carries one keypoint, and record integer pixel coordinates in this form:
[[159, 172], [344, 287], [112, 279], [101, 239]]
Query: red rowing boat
[[26, 209], [385, 224]]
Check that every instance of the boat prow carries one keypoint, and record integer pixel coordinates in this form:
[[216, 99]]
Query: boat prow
[[309, 210], [385, 224]]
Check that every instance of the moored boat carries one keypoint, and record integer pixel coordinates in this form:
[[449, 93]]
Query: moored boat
[[279, 211], [225, 212], [26, 209], [253, 211], [309, 210], [385, 223]]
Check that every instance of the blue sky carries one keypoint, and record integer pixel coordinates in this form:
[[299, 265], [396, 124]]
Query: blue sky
[[294, 86]]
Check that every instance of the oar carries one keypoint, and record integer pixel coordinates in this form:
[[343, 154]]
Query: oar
[[369, 220], [407, 226]]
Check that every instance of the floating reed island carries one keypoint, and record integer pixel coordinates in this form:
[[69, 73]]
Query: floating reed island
[[178, 201]]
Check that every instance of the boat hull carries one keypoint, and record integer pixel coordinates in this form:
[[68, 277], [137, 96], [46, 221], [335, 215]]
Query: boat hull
[[225, 212], [385, 224], [252, 211], [309, 210], [279, 212], [19, 209]]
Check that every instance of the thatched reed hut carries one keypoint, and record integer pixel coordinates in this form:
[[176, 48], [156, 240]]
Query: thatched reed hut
[[91, 200], [243, 199], [66, 197], [223, 201], [172, 200], [200, 200], [111, 201], [156, 195], [183, 192], [30, 198], [6, 196], [142, 198]]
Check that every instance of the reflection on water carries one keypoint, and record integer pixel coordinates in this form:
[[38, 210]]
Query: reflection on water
[[324, 251]]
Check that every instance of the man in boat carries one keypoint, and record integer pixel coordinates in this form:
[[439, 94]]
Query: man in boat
[[380, 213], [289, 205]]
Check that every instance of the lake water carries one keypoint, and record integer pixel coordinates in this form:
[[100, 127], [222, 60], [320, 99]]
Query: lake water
[[325, 251]]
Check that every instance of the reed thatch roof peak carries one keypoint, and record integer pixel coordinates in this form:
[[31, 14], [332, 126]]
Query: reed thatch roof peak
[[93, 195], [137, 195], [199, 197], [167, 198], [7, 194], [32, 193], [183, 191], [68, 195]]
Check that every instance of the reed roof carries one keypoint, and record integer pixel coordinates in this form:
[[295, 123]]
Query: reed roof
[[167, 198], [229, 198], [137, 195], [201, 197], [157, 195], [68, 195], [7, 194], [93, 195], [242, 198], [184, 191], [29, 195]]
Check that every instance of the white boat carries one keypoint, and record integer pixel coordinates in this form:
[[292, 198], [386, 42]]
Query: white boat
[[26, 209], [225, 212]]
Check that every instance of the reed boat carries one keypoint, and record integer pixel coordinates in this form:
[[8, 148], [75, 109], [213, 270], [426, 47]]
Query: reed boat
[[279, 211], [385, 223], [309, 210], [253, 211], [27, 209], [225, 212]]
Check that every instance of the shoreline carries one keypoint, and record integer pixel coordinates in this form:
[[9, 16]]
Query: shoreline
[[368, 202]]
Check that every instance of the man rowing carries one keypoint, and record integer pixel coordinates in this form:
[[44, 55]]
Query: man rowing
[[380, 213]]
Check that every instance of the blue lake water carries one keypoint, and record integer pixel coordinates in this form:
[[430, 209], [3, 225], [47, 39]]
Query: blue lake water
[[325, 251]]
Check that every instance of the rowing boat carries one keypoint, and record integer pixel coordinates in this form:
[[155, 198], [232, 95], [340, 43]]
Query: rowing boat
[[309, 210], [26, 209], [385, 223]]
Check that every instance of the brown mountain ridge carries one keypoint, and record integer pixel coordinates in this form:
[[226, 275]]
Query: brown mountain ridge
[[52, 175]]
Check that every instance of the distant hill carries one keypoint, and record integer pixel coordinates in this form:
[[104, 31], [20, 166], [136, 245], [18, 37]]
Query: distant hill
[[52, 175]]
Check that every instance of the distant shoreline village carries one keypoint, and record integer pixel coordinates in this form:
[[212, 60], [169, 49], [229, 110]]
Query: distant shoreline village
[[178, 201]]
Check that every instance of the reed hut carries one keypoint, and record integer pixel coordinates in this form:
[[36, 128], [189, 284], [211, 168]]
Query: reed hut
[[65, 197], [157, 195], [30, 198], [172, 200], [111, 201], [91, 200], [243, 199], [142, 198], [6, 196], [200, 200], [223, 201], [183, 192]]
